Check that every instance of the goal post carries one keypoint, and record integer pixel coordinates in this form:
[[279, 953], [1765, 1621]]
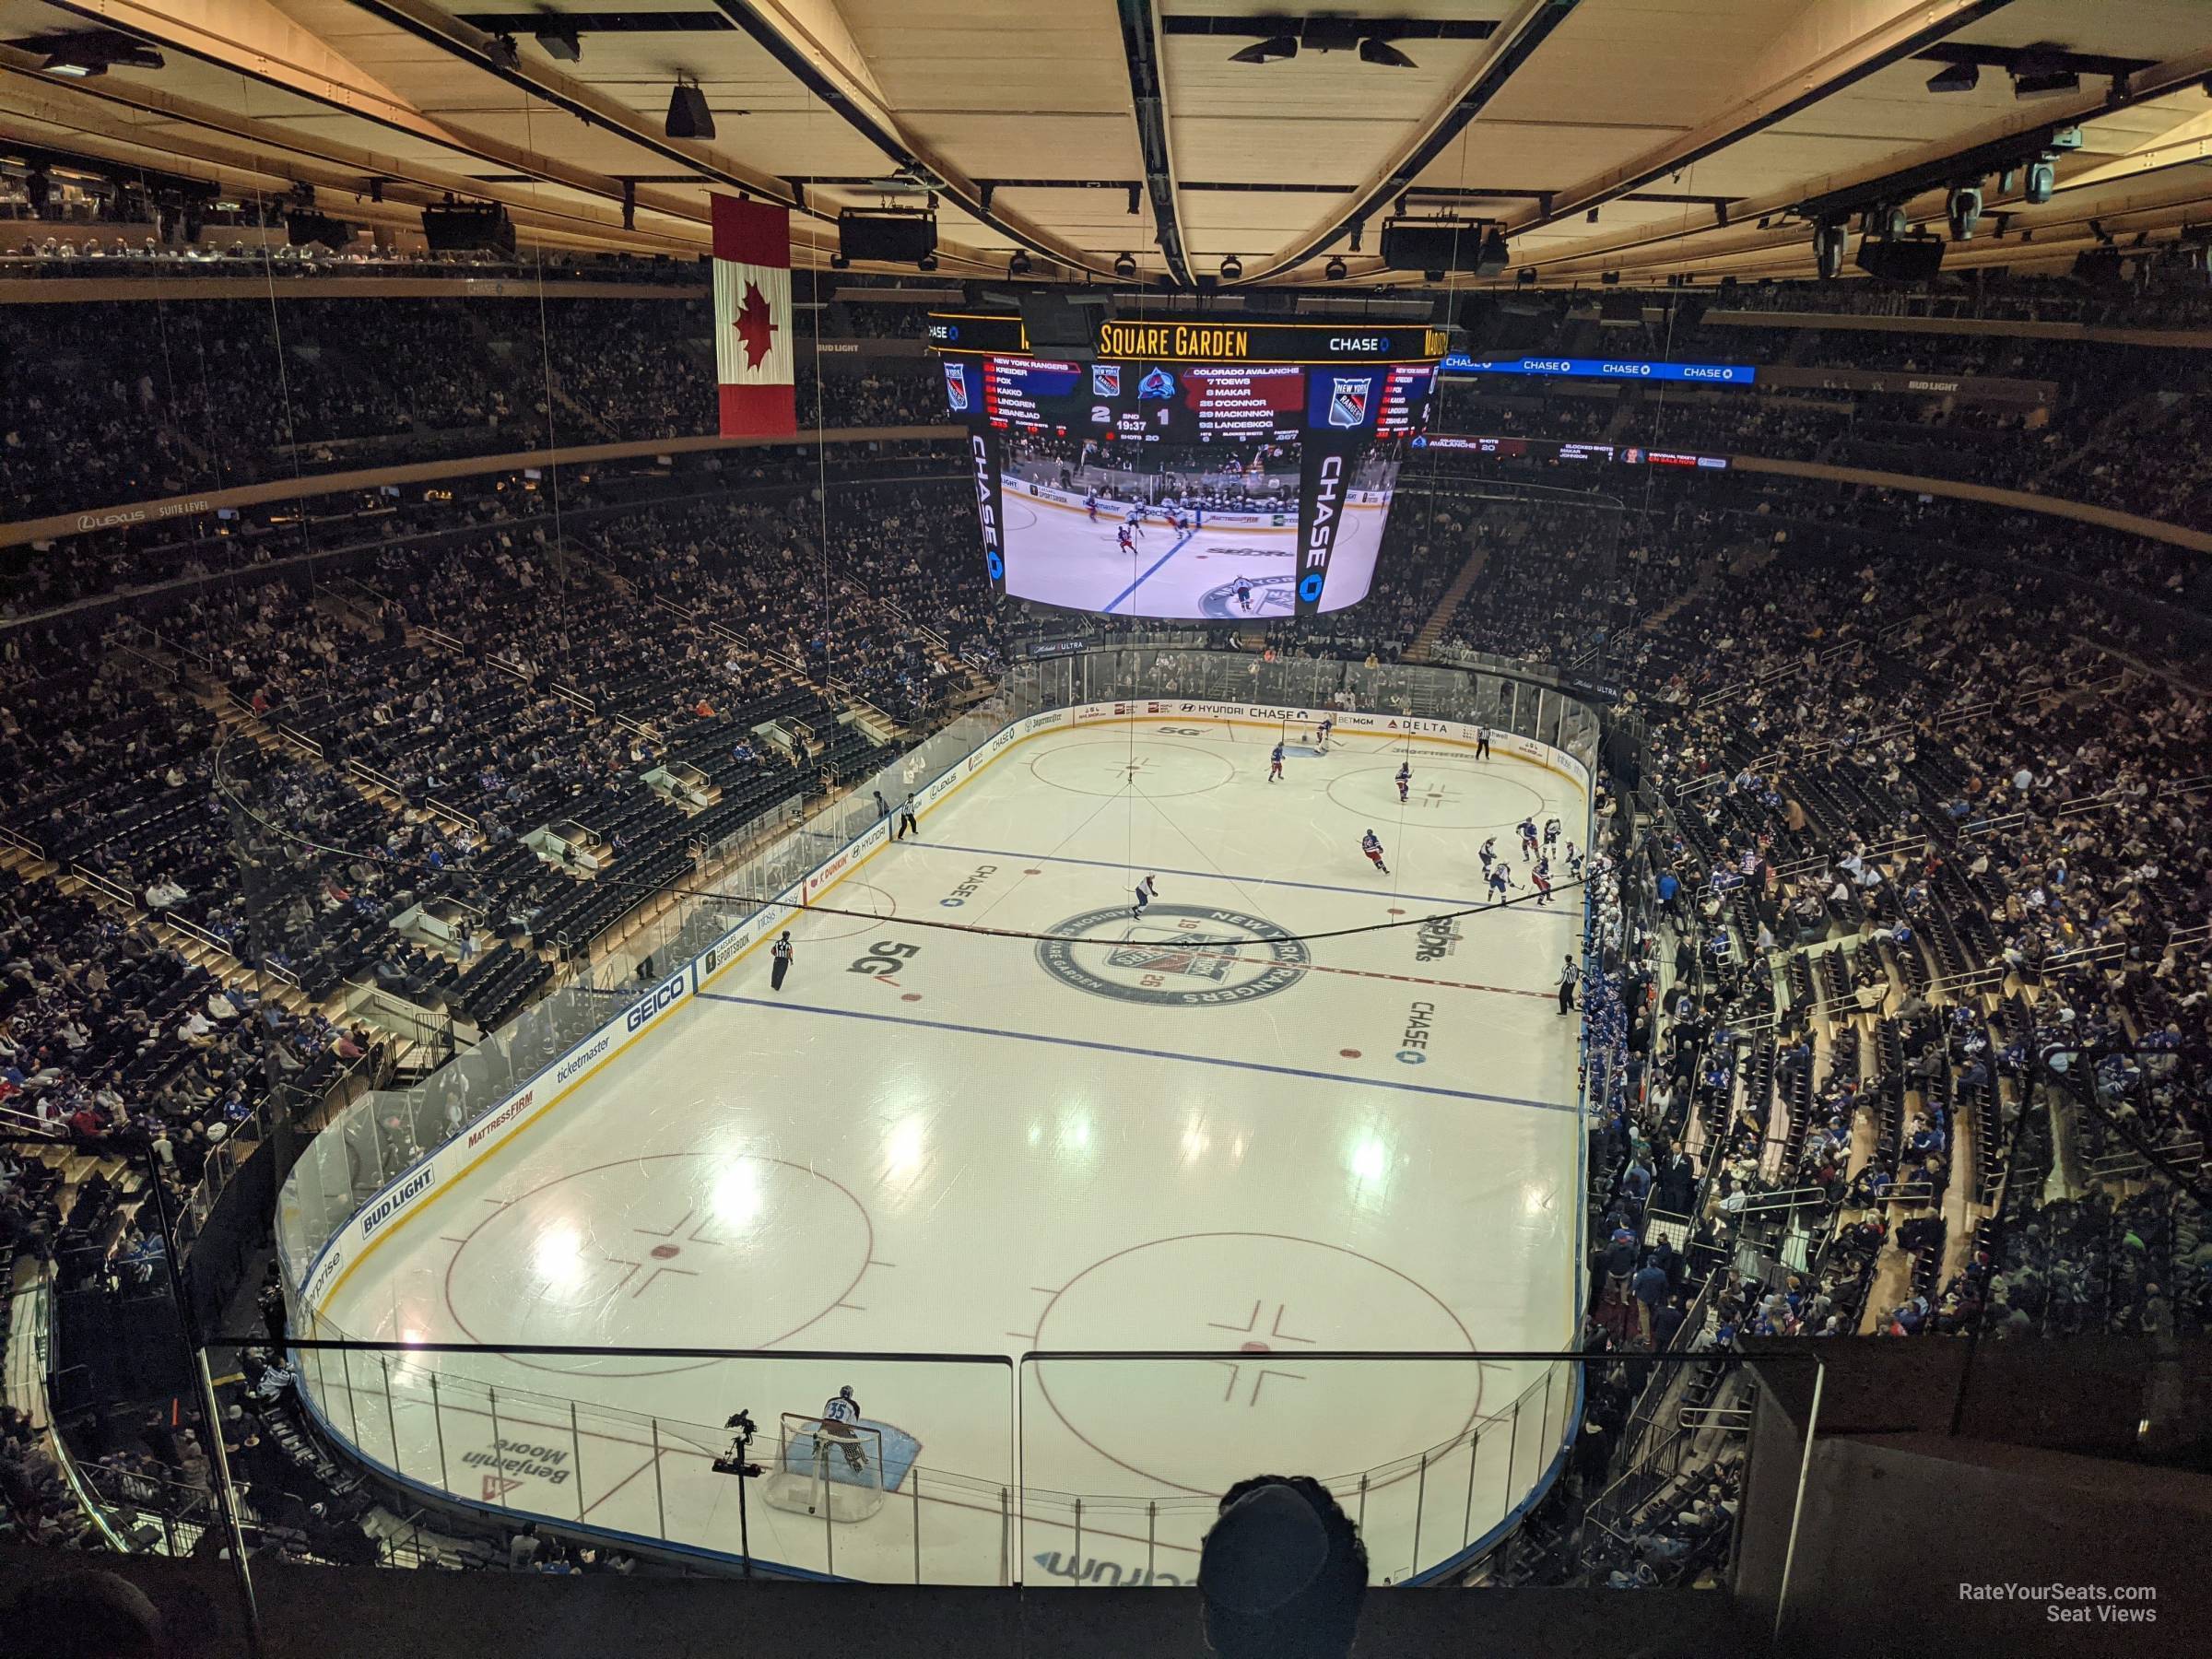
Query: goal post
[[826, 1468]]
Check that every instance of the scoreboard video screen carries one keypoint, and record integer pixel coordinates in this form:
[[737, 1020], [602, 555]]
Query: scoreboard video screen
[[1179, 485]]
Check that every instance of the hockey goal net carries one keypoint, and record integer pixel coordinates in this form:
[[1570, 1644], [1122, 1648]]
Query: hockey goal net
[[827, 1468]]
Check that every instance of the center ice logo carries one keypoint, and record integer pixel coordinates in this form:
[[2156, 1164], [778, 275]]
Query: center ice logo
[[1159, 950], [1181, 956]]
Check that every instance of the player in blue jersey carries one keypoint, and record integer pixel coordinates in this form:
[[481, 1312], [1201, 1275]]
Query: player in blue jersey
[[1371, 844], [1275, 763]]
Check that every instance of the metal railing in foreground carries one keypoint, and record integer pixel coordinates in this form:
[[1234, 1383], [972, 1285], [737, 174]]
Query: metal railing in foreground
[[1078, 1468]]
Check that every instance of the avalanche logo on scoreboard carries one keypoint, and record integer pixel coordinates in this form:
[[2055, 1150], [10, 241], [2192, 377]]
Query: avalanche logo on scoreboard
[[955, 387], [1105, 380], [1348, 402], [1157, 382]]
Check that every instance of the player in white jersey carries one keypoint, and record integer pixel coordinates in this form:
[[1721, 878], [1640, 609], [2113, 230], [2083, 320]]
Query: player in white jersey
[[1146, 890], [1404, 779], [838, 1412], [1137, 521]]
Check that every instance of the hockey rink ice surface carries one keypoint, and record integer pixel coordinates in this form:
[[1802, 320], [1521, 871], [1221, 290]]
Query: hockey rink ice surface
[[1057, 555], [1188, 1133]]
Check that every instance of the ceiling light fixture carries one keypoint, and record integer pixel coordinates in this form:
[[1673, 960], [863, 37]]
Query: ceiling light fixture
[[1231, 268], [1956, 78], [2043, 73], [1273, 49], [1019, 264], [1382, 52], [559, 40], [1124, 265], [1337, 270], [81, 55], [501, 50], [688, 116]]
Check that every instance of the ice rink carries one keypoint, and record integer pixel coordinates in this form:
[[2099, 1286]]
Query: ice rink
[[1057, 554], [1195, 1133]]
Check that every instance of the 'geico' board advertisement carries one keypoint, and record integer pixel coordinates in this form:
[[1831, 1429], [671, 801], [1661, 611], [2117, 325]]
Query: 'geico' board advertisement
[[413, 1185]]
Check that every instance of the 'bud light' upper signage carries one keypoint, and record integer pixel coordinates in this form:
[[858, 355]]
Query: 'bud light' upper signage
[[1718, 374]]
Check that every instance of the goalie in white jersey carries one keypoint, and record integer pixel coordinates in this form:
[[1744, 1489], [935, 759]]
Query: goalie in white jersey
[[839, 1411]]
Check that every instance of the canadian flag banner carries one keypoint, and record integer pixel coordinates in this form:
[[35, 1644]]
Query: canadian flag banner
[[752, 319]]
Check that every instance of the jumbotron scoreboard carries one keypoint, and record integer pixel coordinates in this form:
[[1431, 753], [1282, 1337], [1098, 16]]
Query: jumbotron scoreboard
[[1124, 479]]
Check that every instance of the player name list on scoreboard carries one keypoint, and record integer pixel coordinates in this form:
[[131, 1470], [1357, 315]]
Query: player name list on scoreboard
[[1404, 400], [1012, 387], [1245, 402]]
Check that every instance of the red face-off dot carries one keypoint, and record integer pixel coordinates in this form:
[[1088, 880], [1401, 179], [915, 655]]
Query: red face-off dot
[[1393, 912], [911, 997], [663, 1252], [1253, 1347], [1349, 1053]]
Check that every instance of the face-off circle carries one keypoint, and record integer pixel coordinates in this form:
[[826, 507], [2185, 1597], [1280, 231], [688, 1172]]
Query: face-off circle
[[1145, 766], [1260, 1301], [1441, 798], [680, 1249], [1174, 956]]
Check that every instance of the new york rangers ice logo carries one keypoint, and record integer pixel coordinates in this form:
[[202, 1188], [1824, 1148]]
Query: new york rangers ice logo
[[955, 387], [1105, 380], [1181, 956], [1347, 403], [1157, 382], [1195, 955]]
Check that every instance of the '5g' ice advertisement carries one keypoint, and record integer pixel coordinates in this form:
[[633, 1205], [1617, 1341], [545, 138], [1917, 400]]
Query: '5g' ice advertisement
[[1193, 491]]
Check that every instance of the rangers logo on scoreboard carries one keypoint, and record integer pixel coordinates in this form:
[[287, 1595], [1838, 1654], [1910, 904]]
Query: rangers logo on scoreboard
[[1347, 401]]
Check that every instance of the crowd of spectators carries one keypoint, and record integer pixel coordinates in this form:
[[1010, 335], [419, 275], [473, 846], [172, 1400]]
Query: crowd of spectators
[[221, 393]]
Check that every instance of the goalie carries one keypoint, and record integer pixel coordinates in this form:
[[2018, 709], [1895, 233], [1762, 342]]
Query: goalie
[[838, 1412]]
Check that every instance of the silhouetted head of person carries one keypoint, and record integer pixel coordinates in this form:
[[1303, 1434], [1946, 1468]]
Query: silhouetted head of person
[[1282, 1573], [85, 1616]]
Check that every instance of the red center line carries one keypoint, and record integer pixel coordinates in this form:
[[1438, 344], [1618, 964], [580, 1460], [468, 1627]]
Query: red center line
[[1403, 979]]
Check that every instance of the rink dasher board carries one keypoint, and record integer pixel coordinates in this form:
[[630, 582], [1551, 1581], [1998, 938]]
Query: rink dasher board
[[410, 1193]]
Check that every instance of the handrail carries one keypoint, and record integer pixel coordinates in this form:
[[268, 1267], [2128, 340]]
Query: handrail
[[113, 890]]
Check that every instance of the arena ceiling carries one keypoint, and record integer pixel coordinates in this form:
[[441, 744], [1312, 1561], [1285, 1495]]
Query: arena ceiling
[[1646, 138]]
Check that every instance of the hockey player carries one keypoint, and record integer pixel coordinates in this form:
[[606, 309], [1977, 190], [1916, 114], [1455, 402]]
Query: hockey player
[[1125, 541], [1146, 890], [1541, 875], [1371, 845], [1090, 505], [1501, 877], [1528, 838], [1482, 742], [1489, 851], [1404, 779], [1275, 764], [1244, 592], [1137, 521], [1322, 734], [1574, 863], [839, 1412], [1551, 836]]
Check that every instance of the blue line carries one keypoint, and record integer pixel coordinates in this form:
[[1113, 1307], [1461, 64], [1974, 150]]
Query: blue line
[[1142, 1054], [1147, 575], [1313, 886]]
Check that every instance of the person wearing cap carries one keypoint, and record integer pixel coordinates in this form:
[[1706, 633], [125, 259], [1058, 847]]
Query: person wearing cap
[[1282, 1573]]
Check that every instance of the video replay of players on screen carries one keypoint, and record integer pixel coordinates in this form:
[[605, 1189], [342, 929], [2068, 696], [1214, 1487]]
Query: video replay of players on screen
[[1191, 472]]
